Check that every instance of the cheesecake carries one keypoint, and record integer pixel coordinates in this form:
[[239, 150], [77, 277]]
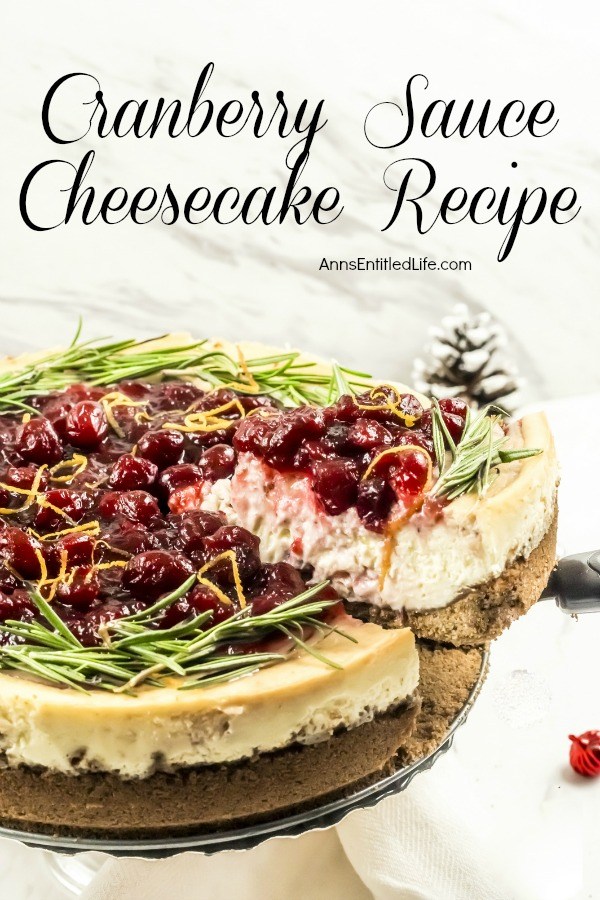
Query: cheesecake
[[214, 563]]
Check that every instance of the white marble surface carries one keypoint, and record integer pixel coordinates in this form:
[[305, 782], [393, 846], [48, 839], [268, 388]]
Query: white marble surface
[[256, 281]]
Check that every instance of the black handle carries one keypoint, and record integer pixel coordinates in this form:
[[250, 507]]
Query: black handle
[[575, 583]]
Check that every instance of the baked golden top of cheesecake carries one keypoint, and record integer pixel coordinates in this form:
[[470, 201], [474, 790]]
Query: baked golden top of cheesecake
[[301, 700]]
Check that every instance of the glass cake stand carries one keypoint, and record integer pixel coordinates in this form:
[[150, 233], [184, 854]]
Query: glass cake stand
[[73, 862]]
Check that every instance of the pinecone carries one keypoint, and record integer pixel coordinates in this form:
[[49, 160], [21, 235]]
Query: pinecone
[[466, 358]]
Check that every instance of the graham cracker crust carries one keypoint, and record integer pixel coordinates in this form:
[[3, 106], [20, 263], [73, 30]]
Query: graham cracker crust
[[210, 798], [485, 611]]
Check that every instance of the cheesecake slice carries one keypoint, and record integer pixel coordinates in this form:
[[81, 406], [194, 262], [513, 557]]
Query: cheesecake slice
[[458, 572]]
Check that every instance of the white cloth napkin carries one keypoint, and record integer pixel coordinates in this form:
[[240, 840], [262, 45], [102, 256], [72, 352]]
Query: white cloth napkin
[[501, 816]]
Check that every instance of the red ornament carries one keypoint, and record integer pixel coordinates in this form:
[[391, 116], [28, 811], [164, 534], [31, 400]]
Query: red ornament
[[585, 753]]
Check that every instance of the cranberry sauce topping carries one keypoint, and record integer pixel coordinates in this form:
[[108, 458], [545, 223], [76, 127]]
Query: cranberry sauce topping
[[95, 515], [369, 452], [100, 492]]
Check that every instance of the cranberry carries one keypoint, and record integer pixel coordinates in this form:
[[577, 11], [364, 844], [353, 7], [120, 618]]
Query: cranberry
[[56, 412], [131, 537], [454, 414], [242, 542], [85, 628], [280, 578], [182, 475], [454, 405], [398, 405], [199, 600], [81, 591], [24, 476], [191, 529], [138, 506], [86, 424], [135, 390], [425, 423], [164, 448], [156, 572], [38, 442], [335, 482], [19, 550], [416, 437], [311, 451], [254, 433], [79, 391], [408, 474], [274, 584], [343, 410], [17, 605], [411, 406], [374, 502], [336, 438], [217, 398], [79, 548], [455, 425], [367, 433], [176, 395], [8, 580], [258, 401], [74, 504], [217, 462], [293, 428], [131, 473], [265, 603]]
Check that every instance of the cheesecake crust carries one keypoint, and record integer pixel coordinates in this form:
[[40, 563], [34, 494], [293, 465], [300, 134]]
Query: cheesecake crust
[[206, 798], [486, 610], [211, 798]]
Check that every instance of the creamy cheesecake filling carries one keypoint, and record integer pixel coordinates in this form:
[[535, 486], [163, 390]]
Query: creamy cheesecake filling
[[432, 562], [299, 700]]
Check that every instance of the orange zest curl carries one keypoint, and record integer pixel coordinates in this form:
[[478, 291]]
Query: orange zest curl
[[89, 528], [381, 402], [77, 463], [207, 420], [113, 399], [230, 555], [32, 493]]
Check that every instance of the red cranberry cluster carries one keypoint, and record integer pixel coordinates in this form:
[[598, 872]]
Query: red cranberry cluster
[[123, 456], [132, 473], [343, 449]]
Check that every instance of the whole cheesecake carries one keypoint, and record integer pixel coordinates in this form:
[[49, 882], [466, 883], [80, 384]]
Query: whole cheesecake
[[179, 524]]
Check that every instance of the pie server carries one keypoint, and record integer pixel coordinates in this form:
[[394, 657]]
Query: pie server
[[575, 583]]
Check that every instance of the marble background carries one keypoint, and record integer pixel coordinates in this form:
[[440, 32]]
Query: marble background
[[263, 282]]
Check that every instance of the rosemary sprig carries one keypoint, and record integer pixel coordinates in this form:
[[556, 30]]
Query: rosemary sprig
[[282, 375], [136, 650], [470, 466]]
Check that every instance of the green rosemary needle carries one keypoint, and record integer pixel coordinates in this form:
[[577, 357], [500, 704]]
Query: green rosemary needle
[[471, 465], [284, 375], [136, 650]]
